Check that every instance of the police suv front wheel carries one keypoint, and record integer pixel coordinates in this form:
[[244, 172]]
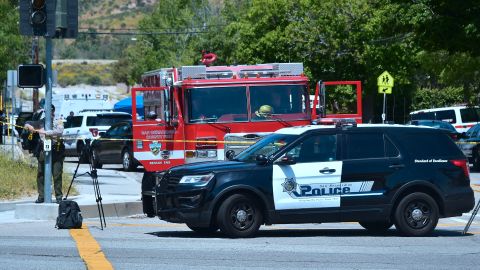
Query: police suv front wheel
[[416, 215], [239, 216]]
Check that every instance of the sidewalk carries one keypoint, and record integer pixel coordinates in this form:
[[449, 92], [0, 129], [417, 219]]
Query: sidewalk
[[119, 191]]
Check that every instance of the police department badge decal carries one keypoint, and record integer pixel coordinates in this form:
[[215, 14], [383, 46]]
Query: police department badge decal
[[289, 185], [155, 147]]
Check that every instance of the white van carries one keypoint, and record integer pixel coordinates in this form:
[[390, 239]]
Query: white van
[[461, 117]]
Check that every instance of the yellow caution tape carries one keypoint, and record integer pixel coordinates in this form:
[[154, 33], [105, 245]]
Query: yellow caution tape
[[30, 137]]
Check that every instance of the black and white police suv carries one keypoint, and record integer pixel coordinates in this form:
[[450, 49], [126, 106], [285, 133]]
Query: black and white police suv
[[377, 175]]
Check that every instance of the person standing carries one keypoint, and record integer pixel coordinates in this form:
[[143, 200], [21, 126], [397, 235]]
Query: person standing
[[58, 155], [69, 120]]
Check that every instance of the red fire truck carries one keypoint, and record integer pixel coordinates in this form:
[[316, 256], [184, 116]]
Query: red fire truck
[[200, 113]]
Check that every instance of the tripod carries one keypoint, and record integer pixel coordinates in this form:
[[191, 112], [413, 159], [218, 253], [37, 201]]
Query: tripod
[[474, 213], [87, 153]]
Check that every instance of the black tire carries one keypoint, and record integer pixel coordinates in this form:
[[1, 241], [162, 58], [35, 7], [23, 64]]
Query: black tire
[[96, 161], [203, 230], [377, 227], [416, 215], [239, 216], [128, 162], [147, 203]]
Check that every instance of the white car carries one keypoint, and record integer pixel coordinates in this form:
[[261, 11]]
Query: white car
[[87, 126]]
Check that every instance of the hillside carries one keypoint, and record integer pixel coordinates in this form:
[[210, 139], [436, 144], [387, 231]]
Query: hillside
[[118, 14]]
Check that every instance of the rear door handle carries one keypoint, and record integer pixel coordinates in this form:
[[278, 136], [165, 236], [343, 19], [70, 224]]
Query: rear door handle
[[397, 166], [327, 171]]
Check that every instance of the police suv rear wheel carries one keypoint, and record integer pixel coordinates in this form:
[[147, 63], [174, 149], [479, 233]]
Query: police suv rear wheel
[[239, 216], [416, 215], [377, 227]]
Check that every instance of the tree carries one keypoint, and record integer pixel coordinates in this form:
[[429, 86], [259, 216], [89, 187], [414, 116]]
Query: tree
[[11, 43]]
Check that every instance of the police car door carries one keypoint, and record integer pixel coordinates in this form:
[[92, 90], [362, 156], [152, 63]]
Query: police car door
[[313, 181], [370, 161]]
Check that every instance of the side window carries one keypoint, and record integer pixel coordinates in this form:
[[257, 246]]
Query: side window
[[317, 148], [76, 122], [365, 145], [91, 121], [470, 114], [112, 132], [123, 130]]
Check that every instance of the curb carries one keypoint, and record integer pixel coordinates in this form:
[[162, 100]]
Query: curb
[[49, 211]]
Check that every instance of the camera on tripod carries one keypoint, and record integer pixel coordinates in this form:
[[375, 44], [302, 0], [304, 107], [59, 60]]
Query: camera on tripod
[[86, 154]]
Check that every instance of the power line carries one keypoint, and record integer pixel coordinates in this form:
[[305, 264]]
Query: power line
[[142, 33]]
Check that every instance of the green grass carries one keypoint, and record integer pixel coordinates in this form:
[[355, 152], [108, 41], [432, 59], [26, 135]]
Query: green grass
[[18, 179]]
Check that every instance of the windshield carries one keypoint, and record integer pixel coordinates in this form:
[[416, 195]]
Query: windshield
[[267, 146], [219, 104], [271, 102]]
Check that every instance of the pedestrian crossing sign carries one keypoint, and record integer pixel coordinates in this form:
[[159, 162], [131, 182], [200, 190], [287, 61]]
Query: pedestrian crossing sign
[[385, 83], [385, 79]]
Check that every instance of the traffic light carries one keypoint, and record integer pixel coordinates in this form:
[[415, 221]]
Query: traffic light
[[37, 17], [67, 19]]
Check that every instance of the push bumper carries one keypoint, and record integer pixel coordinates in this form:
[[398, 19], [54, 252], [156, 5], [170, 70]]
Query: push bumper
[[183, 207]]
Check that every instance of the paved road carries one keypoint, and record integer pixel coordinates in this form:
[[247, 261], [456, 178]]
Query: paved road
[[138, 242]]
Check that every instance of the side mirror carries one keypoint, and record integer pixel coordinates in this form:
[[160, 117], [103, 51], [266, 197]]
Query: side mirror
[[261, 159], [230, 154], [286, 160]]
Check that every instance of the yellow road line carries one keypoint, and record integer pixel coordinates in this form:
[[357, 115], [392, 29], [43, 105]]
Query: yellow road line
[[89, 249]]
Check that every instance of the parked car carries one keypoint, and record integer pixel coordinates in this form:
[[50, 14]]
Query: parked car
[[462, 117], [115, 146], [438, 124], [86, 126], [377, 175], [470, 146]]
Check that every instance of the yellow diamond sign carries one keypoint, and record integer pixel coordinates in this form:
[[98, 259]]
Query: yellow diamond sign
[[385, 80]]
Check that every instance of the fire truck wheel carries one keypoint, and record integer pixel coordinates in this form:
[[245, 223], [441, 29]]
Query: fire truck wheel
[[377, 227], [239, 216], [96, 160], [203, 230], [127, 161], [416, 215]]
